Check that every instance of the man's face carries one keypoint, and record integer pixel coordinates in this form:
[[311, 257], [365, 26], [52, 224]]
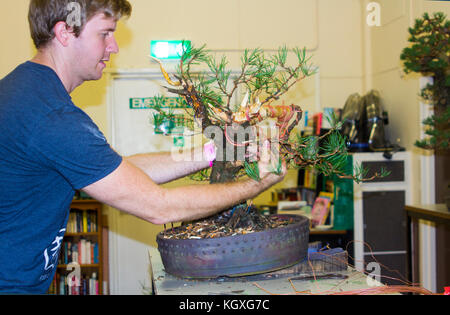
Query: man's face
[[93, 47]]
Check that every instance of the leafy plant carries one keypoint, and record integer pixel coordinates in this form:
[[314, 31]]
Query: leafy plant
[[429, 55], [264, 79]]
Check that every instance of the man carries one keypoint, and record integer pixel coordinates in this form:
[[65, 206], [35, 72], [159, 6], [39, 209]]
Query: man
[[49, 148]]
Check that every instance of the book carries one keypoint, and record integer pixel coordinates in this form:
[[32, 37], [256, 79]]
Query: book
[[85, 227], [310, 178], [291, 207], [321, 209], [317, 118]]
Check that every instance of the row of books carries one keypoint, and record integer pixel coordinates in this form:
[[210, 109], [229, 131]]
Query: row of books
[[315, 122], [82, 221], [81, 252], [295, 194], [87, 285]]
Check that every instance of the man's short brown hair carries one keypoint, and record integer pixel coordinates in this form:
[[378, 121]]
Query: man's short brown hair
[[44, 14]]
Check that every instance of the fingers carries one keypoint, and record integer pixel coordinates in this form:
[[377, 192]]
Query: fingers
[[269, 162]]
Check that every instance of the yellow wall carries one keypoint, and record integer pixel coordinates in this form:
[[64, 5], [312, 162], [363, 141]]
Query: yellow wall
[[331, 30], [352, 56], [16, 45], [400, 91]]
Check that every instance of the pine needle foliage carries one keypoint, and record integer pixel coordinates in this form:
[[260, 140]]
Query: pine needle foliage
[[429, 55], [209, 96]]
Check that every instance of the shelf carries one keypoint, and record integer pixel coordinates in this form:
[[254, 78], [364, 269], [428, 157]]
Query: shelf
[[87, 217], [84, 201], [82, 266], [82, 234], [433, 213], [86, 204], [330, 232]]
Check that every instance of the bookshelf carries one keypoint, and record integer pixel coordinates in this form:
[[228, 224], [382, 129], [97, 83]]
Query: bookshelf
[[80, 268]]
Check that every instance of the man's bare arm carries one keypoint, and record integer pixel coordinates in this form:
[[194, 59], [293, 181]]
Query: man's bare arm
[[166, 167], [129, 189]]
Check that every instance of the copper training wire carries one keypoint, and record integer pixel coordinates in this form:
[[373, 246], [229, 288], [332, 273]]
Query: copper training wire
[[408, 286]]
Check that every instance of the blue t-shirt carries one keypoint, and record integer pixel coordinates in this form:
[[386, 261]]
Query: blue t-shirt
[[48, 149]]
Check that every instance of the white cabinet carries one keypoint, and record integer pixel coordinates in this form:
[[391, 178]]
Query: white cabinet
[[379, 216]]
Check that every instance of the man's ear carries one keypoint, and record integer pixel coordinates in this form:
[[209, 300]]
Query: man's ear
[[63, 33]]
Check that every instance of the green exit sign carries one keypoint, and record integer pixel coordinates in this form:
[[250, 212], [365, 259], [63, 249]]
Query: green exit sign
[[168, 49]]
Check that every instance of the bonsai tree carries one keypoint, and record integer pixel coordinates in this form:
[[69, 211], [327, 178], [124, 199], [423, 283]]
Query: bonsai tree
[[207, 97], [429, 55]]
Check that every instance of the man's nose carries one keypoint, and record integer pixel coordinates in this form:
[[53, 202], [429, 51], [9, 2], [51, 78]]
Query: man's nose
[[112, 47]]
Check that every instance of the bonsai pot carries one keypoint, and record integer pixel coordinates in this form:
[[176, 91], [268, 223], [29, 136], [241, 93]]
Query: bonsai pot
[[237, 255]]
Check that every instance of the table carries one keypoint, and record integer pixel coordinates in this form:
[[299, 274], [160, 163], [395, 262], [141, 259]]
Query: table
[[265, 284], [440, 215]]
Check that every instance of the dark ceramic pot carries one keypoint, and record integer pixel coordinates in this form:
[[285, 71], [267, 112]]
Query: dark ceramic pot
[[237, 255]]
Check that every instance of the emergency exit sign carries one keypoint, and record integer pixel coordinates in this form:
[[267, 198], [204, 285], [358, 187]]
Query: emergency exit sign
[[150, 103], [168, 49]]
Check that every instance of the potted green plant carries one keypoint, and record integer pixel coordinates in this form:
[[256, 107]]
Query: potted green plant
[[429, 55], [208, 101]]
